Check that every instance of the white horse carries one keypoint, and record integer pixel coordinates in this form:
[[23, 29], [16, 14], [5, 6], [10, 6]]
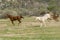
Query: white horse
[[42, 19]]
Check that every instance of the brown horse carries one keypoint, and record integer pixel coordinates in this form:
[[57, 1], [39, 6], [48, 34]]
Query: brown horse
[[13, 18], [55, 17]]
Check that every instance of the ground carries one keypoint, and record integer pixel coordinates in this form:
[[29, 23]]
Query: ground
[[29, 29]]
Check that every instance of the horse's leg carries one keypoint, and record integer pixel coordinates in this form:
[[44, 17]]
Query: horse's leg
[[41, 24], [12, 22], [44, 23], [19, 21], [49, 19]]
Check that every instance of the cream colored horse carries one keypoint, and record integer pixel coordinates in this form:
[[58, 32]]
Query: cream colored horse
[[43, 19]]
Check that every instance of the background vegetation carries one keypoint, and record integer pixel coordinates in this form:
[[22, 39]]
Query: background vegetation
[[28, 7], [29, 29]]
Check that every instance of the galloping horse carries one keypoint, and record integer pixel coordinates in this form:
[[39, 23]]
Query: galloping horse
[[13, 18], [47, 16], [42, 19], [55, 17]]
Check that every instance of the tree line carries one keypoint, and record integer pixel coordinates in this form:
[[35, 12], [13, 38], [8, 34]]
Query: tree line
[[28, 7]]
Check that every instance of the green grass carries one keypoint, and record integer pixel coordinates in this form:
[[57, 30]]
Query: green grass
[[28, 31]]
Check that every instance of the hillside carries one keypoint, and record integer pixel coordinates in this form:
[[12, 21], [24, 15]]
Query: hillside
[[29, 7]]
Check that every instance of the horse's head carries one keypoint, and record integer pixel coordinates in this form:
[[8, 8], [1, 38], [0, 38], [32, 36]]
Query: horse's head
[[55, 17], [21, 16], [7, 15]]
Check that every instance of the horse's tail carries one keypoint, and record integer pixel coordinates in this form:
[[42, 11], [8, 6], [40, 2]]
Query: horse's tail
[[37, 18]]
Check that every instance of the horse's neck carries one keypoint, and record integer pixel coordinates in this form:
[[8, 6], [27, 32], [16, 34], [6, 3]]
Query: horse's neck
[[9, 16], [46, 16]]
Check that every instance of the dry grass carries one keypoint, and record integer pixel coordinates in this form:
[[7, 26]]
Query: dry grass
[[29, 29]]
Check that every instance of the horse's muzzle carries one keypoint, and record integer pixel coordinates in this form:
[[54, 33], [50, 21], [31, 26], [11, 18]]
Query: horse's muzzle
[[23, 17]]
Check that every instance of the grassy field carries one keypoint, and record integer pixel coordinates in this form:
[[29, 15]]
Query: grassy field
[[29, 29]]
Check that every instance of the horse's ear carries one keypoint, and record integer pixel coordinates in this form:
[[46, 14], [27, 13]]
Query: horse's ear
[[48, 12], [20, 14], [58, 15], [7, 14]]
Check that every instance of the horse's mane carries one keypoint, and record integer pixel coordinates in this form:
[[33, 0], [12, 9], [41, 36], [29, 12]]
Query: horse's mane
[[42, 13]]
